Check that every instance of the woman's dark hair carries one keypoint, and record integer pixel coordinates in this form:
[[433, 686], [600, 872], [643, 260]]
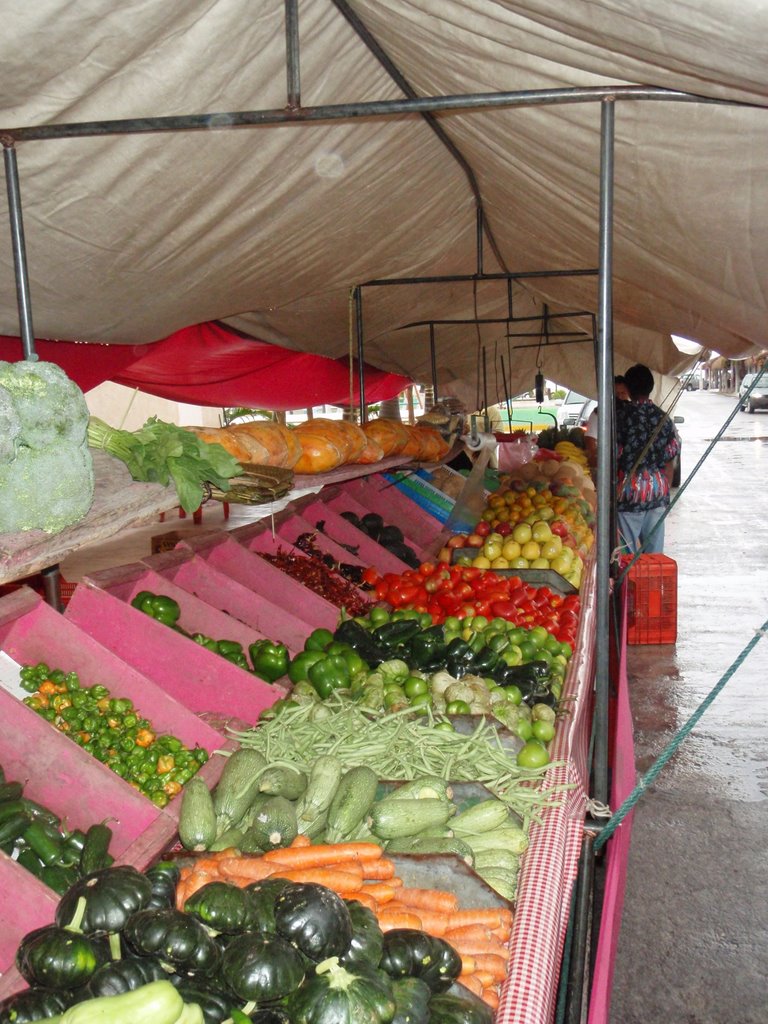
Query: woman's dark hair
[[639, 381], [620, 379]]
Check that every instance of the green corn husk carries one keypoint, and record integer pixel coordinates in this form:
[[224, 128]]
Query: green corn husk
[[257, 485]]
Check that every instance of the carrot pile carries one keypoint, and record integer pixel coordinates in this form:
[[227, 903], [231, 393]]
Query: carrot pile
[[360, 871]]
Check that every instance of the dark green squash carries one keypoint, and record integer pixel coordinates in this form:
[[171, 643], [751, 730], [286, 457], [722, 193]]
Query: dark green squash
[[270, 1015], [367, 943], [223, 907], [261, 968], [263, 896], [164, 877], [34, 1004], [455, 1008], [176, 938], [410, 953], [215, 1004], [53, 957], [314, 919], [343, 995], [111, 896], [412, 997], [119, 976]]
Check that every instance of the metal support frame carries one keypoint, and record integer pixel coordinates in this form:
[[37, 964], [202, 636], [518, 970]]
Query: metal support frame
[[433, 362], [19, 250], [292, 70]]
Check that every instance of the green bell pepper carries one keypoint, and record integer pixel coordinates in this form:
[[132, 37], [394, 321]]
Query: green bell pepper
[[329, 674], [299, 667], [318, 640], [159, 606], [269, 659], [427, 647]]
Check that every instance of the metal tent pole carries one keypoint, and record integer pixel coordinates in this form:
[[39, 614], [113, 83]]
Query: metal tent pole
[[293, 72], [19, 251], [358, 295], [433, 361]]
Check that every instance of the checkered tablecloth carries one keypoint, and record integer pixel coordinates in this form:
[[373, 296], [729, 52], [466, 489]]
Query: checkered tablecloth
[[550, 865]]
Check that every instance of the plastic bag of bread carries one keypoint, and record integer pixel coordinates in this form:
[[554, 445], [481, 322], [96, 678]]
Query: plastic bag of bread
[[373, 452], [320, 452], [356, 439], [391, 435], [278, 443], [425, 444], [342, 434], [228, 441]]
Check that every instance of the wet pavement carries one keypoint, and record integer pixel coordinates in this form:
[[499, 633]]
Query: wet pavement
[[693, 947]]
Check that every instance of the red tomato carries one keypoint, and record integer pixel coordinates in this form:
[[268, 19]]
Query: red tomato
[[427, 568], [382, 590]]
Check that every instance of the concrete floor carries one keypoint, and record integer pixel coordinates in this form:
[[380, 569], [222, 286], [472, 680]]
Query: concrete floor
[[694, 942], [693, 947]]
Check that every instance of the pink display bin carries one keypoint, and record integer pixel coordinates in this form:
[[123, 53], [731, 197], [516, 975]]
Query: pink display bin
[[198, 679], [370, 552], [229, 553], [219, 590], [197, 616], [292, 527], [26, 904], [343, 502], [30, 631], [379, 495]]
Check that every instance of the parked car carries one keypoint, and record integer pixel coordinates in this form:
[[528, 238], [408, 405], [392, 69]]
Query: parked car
[[575, 410], [694, 380], [759, 397]]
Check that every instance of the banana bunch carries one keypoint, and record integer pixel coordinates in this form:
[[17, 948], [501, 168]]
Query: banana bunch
[[572, 453]]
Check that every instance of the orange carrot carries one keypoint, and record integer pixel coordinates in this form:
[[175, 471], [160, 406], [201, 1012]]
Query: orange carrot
[[485, 978], [491, 917], [471, 982], [495, 965], [362, 897], [430, 899], [331, 878], [381, 892], [503, 933], [480, 946], [324, 854], [491, 997], [468, 965], [389, 919], [207, 864], [380, 870], [251, 868], [301, 841], [469, 931], [231, 851], [432, 921]]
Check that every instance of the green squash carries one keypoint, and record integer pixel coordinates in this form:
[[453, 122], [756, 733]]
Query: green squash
[[215, 1004], [454, 1008], [125, 975], [367, 943], [164, 878], [313, 919], [34, 1004], [261, 968], [53, 957], [109, 898], [343, 995], [263, 896], [410, 953], [223, 907], [412, 997], [176, 938], [270, 1015]]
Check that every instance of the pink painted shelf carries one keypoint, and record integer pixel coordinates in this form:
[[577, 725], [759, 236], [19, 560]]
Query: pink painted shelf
[[229, 552], [198, 679], [380, 495], [291, 528], [370, 552], [191, 572]]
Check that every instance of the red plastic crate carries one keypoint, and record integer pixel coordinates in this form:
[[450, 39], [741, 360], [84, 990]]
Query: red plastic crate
[[652, 600]]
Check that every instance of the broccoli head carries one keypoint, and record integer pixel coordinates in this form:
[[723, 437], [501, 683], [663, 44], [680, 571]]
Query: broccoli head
[[49, 405], [46, 470]]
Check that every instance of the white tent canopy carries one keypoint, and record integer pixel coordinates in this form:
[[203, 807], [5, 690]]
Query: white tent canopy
[[131, 237]]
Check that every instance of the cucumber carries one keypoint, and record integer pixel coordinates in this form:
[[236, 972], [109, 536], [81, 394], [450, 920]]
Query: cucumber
[[279, 781], [431, 844], [393, 819], [429, 787], [237, 786], [313, 804], [351, 803], [275, 824], [13, 827], [197, 817], [482, 817], [95, 852]]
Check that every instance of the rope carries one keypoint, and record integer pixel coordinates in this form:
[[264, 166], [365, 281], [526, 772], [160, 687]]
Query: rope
[[614, 822]]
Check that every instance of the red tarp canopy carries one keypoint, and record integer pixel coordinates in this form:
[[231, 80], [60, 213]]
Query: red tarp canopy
[[208, 364]]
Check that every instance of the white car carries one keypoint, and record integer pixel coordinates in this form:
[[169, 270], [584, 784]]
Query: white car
[[575, 410]]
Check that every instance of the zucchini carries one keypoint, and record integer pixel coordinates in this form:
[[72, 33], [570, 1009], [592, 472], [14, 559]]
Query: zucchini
[[482, 817], [393, 819], [496, 861], [237, 786], [504, 884], [95, 851], [283, 781], [509, 837], [312, 806], [431, 845], [351, 803], [231, 837], [430, 787], [275, 824], [197, 817]]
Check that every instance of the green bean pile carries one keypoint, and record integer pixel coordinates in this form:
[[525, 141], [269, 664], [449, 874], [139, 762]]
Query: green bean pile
[[399, 746]]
